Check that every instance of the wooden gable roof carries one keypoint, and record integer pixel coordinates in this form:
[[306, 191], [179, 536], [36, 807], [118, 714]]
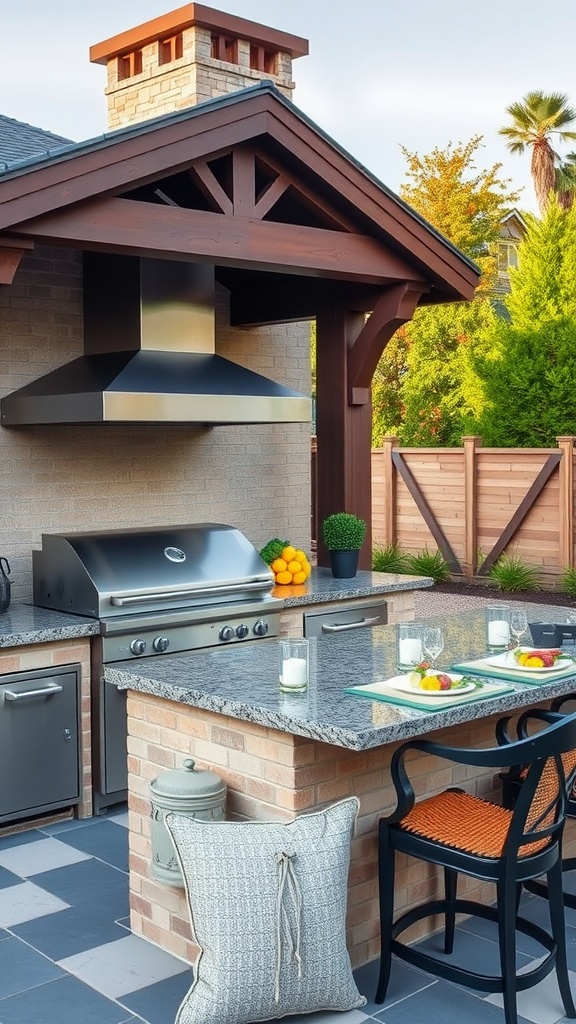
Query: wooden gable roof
[[245, 182]]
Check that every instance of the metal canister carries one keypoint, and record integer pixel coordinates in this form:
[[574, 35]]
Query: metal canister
[[187, 791]]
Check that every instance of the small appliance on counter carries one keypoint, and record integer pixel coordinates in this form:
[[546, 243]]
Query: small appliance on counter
[[5, 585]]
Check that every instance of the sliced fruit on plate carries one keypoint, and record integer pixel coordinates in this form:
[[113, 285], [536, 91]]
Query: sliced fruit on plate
[[538, 658], [433, 681]]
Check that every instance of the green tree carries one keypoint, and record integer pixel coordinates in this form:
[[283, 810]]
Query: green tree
[[538, 120], [425, 387], [463, 204], [529, 371], [442, 393]]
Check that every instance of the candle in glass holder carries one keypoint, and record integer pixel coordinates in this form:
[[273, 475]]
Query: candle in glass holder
[[293, 670], [498, 627], [409, 652]]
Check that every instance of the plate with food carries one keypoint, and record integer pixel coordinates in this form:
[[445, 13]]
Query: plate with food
[[433, 684], [533, 659]]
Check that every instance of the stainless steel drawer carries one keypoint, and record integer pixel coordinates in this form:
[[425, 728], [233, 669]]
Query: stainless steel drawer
[[345, 618], [39, 741]]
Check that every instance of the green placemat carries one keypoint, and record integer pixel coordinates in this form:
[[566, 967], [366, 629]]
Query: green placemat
[[480, 667], [382, 691]]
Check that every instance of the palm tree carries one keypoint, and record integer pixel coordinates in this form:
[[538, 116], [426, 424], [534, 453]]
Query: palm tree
[[565, 184], [535, 121]]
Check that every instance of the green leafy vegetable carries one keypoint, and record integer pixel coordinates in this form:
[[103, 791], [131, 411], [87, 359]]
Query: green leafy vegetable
[[273, 549]]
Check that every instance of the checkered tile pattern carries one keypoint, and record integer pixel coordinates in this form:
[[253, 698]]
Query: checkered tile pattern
[[67, 955]]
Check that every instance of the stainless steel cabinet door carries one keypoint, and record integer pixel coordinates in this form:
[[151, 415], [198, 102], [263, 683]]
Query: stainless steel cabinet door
[[39, 741]]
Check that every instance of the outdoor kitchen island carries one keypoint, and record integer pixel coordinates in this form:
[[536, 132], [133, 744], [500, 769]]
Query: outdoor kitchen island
[[286, 754]]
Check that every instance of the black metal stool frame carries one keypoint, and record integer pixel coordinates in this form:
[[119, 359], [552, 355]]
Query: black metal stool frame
[[508, 872], [510, 788]]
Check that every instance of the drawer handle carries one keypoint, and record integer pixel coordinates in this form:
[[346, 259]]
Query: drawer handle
[[46, 691], [352, 625]]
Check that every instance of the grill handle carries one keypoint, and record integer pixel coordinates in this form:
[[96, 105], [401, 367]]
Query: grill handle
[[44, 691], [124, 600], [352, 625]]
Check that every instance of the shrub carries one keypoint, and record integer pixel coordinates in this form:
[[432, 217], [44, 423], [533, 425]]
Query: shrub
[[568, 581], [390, 559], [510, 573], [429, 563], [343, 531]]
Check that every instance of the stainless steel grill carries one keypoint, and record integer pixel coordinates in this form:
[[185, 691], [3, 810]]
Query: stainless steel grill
[[154, 591]]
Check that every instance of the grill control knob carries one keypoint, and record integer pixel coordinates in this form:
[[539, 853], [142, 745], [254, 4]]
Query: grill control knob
[[161, 644], [138, 646], [242, 631], [226, 633], [260, 627]]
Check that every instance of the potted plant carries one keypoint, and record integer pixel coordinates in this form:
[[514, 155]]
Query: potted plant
[[343, 535]]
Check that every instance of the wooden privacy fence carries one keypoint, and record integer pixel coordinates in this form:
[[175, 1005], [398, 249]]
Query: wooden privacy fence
[[474, 504]]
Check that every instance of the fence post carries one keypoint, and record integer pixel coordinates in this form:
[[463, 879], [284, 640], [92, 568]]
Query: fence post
[[390, 477], [566, 500], [471, 443]]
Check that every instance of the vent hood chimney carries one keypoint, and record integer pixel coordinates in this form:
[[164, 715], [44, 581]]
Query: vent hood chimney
[[149, 357]]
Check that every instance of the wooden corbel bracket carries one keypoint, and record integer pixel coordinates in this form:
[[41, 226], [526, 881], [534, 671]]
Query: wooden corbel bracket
[[11, 252], [395, 307]]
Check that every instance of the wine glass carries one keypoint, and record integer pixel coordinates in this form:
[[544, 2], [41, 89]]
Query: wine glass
[[518, 624], [433, 643]]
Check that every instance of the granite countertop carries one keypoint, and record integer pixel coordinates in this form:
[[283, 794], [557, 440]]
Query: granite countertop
[[322, 586], [26, 624], [242, 681]]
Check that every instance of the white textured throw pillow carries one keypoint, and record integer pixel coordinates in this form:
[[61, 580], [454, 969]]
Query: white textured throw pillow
[[267, 904]]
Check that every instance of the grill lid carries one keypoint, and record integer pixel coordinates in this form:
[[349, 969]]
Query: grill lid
[[113, 572]]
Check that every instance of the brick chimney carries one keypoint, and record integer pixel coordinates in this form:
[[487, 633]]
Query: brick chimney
[[189, 55]]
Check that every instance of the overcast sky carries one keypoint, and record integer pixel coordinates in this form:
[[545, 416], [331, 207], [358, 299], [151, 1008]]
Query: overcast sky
[[380, 73]]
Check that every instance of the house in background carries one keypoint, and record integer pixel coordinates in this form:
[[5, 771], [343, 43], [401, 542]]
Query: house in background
[[513, 228]]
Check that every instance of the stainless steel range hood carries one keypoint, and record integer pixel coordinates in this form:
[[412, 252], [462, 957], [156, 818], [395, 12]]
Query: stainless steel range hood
[[149, 357]]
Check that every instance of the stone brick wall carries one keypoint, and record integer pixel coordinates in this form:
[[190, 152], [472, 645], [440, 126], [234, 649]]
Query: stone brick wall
[[274, 776], [113, 477], [190, 79]]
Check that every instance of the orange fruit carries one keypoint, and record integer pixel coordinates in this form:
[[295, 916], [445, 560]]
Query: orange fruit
[[294, 566], [300, 556], [279, 565], [288, 553], [284, 577], [299, 577]]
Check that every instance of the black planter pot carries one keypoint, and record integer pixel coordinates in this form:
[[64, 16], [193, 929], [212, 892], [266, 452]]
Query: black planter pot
[[344, 564]]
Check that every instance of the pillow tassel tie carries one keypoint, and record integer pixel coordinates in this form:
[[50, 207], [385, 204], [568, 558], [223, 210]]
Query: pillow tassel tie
[[288, 886]]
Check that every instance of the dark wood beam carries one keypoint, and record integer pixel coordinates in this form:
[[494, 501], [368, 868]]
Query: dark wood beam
[[270, 196], [138, 160], [344, 432], [129, 226], [244, 182], [393, 218], [210, 187], [394, 307], [11, 252], [257, 299], [311, 198]]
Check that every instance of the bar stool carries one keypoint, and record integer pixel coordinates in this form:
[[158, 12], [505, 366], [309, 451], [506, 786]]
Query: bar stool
[[463, 833], [510, 788]]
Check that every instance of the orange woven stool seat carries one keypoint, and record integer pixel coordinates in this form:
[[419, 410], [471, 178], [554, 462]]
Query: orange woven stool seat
[[462, 821], [509, 846]]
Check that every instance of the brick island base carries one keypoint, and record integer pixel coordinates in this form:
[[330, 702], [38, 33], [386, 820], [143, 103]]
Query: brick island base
[[275, 776]]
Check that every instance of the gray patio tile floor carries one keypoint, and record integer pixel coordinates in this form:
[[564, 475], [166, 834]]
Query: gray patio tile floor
[[67, 954]]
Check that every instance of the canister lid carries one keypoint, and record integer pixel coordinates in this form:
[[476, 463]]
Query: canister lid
[[187, 781]]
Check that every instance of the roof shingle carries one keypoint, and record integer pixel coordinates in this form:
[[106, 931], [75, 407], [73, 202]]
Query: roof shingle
[[19, 141]]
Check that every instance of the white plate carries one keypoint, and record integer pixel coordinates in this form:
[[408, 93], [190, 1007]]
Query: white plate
[[507, 660], [402, 683]]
